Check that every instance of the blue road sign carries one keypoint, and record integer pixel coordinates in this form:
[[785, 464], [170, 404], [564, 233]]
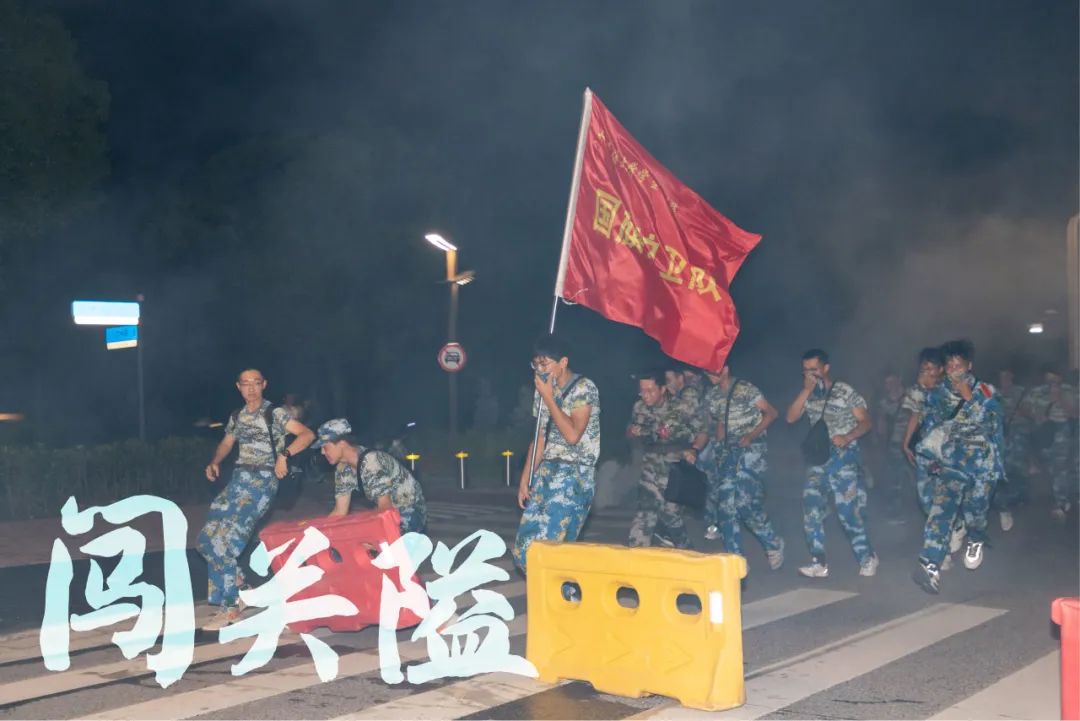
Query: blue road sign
[[121, 336], [96, 312]]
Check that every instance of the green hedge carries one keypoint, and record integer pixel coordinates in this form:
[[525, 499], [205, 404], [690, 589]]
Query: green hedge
[[36, 481]]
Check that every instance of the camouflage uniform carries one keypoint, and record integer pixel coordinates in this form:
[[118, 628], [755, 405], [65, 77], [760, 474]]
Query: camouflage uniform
[[971, 465], [1055, 458], [734, 472], [237, 509], [564, 483], [381, 474], [896, 414], [1014, 405], [838, 477], [927, 471], [668, 428]]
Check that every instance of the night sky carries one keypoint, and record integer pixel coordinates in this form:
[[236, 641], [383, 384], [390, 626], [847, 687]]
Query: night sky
[[274, 165]]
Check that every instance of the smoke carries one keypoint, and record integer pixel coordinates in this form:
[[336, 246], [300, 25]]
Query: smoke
[[911, 169]]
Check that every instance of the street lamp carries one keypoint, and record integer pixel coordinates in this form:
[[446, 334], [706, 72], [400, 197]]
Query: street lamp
[[454, 280]]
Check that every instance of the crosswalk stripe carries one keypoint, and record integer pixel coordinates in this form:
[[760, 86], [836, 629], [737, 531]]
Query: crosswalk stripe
[[481, 692], [784, 683], [257, 686], [52, 684], [1012, 697]]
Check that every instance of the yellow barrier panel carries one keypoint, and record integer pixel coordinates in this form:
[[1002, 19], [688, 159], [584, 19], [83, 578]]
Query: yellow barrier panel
[[630, 626]]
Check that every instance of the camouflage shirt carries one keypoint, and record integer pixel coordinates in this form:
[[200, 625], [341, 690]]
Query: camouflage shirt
[[556, 447], [671, 422], [380, 475], [894, 415], [744, 414], [840, 413], [976, 421], [1016, 404], [1042, 405], [249, 430]]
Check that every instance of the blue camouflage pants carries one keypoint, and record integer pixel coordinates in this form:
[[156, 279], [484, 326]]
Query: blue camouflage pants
[[898, 472], [964, 490], [559, 501], [1012, 489], [737, 496], [838, 479], [230, 522], [927, 475]]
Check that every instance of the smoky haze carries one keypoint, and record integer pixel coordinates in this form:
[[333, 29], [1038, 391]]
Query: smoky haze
[[275, 164]]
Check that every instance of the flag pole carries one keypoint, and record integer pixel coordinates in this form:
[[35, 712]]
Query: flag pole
[[571, 205], [564, 254]]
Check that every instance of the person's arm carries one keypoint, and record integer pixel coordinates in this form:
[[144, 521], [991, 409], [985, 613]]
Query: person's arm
[[913, 422], [798, 406], [304, 438], [862, 427], [213, 470], [768, 415], [526, 474], [341, 505]]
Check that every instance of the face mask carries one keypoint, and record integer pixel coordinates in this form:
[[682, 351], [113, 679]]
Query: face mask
[[543, 376]]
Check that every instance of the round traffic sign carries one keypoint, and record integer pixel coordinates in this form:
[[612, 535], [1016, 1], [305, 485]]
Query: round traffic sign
[[452, 357]]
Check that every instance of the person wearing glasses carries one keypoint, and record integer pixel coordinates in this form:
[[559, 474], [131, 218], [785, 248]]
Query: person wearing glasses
[[556, 495], [262, 461]]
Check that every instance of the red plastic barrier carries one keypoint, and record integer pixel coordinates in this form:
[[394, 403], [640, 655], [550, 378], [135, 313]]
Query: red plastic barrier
[[347, 567], [1066, 613]]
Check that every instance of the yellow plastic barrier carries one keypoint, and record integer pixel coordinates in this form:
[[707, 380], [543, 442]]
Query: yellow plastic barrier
[[662, 646]]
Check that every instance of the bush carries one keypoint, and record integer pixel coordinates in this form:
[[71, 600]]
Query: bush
[[36, 481]]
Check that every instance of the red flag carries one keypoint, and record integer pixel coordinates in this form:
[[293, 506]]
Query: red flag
[[647, 250]]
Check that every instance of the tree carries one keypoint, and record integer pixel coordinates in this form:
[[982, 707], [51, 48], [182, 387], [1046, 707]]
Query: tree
[[318, 237], [53, 149]]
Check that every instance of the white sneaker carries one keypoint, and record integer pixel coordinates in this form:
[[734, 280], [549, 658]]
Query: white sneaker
[[957, 540], [776, 558], [946, 564], [815, 570], [1006, 520], [712, 533], [224, 617], [869, 566], [973, 556], [1058, 514]]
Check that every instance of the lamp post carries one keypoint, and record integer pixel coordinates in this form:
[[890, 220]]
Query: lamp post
[[455, 281]]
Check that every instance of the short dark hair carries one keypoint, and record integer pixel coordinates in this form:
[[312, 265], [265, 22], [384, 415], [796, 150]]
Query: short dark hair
[[962, 347], [932, 355], [251, 369], [816, 353], [655, 375], [551, 346], [1051, 367]]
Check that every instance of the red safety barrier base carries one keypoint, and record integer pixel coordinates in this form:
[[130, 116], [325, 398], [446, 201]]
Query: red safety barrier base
[[346, 564], [1066, 613]]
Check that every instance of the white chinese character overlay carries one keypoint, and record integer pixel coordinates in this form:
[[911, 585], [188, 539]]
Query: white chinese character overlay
[[466, 655], [168, 613], [273, 596]]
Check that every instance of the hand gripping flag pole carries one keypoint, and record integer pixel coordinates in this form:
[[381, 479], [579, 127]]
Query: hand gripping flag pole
[[568, 230]]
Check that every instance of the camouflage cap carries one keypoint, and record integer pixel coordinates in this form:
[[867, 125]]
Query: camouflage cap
[[331, 431]]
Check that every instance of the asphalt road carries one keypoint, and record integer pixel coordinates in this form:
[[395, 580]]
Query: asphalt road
[[841, 647]]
